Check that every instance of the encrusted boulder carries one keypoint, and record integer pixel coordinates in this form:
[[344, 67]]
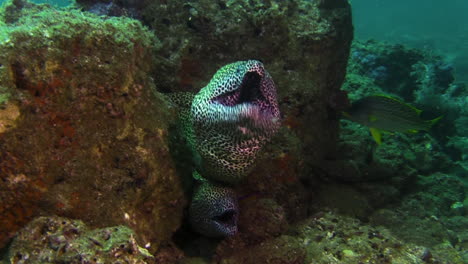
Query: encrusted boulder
[[331, 238], [304, 45], [83, 132], [63, 240]]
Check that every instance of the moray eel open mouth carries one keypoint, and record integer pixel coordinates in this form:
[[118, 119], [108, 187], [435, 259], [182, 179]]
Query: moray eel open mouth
[[247, 107], [214, 211], [248, 102], [249, 91], [233, 117]]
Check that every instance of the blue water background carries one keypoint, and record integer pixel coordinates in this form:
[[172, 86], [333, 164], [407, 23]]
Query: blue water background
[[435, 25]]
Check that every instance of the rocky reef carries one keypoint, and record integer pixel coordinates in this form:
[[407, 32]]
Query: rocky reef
[[413, 184], [84, 132], [62, 240], [427, 82], [90, 158], [303, 44]]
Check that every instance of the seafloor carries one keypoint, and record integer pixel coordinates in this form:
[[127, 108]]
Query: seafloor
[[92, 169]]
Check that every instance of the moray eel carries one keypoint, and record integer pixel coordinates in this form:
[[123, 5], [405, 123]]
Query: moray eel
[[226, 124], [214, 210], [232, 118]]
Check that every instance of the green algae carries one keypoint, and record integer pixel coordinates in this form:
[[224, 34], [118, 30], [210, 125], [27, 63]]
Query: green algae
[[63, 240], [43, 20], [41, 31], [4, 98]]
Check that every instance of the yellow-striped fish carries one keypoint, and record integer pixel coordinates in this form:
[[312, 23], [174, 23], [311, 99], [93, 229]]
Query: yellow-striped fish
[[384, 113]]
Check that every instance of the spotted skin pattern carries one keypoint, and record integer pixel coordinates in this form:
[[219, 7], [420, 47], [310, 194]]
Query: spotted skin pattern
[[232, 118], [214, 210], [226, 124]]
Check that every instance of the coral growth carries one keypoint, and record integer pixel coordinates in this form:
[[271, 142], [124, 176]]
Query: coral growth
[[413, 183], [90, 141], [85, 133], [330, 238], [303, 44], [63, 240]]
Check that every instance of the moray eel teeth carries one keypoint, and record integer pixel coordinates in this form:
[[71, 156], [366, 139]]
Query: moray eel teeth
[[214, 211], [232, 118]]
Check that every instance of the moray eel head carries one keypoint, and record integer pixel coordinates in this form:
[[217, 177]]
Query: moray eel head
[[233, 117], [214, 211]]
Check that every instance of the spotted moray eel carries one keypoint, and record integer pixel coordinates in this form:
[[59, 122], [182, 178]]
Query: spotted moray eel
[[226, 124]]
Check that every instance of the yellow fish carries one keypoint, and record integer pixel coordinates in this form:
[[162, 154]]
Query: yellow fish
[[384, 113]]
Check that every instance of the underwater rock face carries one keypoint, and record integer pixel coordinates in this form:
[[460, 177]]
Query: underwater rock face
[[263, 219], [113, 8], [283, 249], [331, 238], [328, 237], [63, 240], [421, 78], [417, 77], [303, 44], [90, 140], [413, 183], [89, 99]]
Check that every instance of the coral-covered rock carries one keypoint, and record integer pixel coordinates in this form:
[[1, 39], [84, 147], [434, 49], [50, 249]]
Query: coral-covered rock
[[84, 134], [421, 78], [328, 237], [99, 149], [390, 66], [63, 240], [262, 219], [303, 44], [412, 182], [344, 198], [331, 238], [399, 156], [429, 216], [411, 75], [284, 249]]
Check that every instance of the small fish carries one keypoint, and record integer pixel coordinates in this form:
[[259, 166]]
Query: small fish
[[384, 113]]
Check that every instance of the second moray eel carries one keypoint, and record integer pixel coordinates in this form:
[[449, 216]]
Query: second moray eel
[[226, 124]]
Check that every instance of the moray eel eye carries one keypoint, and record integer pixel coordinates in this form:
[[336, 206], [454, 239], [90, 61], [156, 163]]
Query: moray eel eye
[[214, 211]]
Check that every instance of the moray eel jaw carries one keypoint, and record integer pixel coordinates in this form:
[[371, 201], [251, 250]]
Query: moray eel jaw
[[214, 211], [240, 94], [232, 118]]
